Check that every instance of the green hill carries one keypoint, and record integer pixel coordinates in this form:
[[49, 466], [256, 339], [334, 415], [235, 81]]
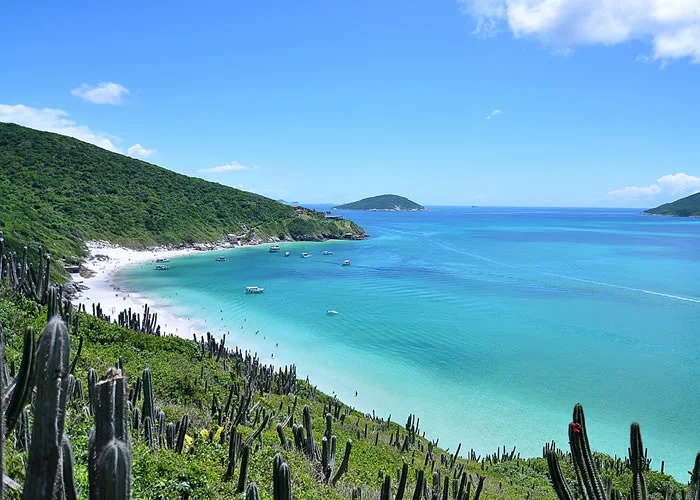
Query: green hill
[[384, 202], [685, 207], [60, 192]]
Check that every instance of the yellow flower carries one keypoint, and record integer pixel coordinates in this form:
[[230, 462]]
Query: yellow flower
[[217, 434], [204, 433], [188, 440]]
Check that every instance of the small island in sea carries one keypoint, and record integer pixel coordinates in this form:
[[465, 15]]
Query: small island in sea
[[685, 207], [383, 203]]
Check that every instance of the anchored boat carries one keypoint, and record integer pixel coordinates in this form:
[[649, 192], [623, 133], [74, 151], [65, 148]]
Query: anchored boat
[[287, 254], [162, 267], [221, 259], [254, 289], [275, 248], [326, 252], [346, 262], [304, 255]]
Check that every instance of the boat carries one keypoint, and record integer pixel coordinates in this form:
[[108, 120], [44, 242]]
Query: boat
[[254, 289], [326, 252], [162, 260], [221, 259], [162, 267], [331, 312], [287, 254], [305, 255], [346, 262], [274, 248]]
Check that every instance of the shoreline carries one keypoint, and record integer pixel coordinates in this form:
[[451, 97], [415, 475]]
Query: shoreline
[[105, 259]]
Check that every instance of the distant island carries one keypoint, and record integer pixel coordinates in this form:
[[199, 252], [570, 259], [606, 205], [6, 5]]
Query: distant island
[[383, 203], [685, 207]]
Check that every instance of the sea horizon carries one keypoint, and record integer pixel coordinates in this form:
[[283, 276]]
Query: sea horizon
[[487, 324]]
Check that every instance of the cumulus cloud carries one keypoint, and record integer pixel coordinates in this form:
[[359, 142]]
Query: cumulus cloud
[[57, 121], [102, 93], [493, 113], [138, 151], [679, 184], [234, 166], [673, 26], [54, 120]]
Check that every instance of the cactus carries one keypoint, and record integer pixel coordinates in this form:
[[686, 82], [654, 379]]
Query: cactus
[[402, 482], [420, 484], [68, 466], [182, 431], [243, 472], [586, 471], [109, 452], [92, 381], [281, 479], [234, 445], [561, 487], [22, 386], [280, 433], [170, 436], [638, 464], [43, 471], [252, 492], [310, 444], [22, 431], [2, 406], [344, 464], [147, 407], [386, 488]]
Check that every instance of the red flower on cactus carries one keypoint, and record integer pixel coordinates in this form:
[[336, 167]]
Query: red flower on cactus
[[576, 428]]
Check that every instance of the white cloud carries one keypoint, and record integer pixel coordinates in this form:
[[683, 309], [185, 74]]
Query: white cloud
[[679, 185], [102, 93], [493, 113], [234, 166], [54, 120], [57, 121], [672, 25], [138, 151]]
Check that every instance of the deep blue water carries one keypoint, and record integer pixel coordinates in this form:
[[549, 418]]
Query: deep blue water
[[488, 323]]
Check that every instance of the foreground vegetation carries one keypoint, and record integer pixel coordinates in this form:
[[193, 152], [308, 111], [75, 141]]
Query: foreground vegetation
[[59, 192], [177, 418]]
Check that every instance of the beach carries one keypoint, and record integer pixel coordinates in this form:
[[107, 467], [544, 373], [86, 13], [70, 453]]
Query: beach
[[105, 259]]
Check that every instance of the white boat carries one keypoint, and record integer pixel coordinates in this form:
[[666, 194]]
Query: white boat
[[274, 248], [304, 255], [162, 260], [326, 252], [331, 312], [254, 289], [162, 267], [287, 254], [221, 259], [346, 262]]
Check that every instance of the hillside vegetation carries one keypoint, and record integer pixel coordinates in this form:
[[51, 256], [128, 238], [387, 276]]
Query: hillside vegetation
[[384, 202], [60, 192], [685, 207]]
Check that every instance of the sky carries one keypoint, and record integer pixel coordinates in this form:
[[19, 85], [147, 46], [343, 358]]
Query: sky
[[447, 102]]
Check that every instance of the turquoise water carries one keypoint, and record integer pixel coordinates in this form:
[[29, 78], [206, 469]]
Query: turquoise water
[[488, 323]]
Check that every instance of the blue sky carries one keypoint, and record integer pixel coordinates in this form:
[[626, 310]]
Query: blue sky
[[488, 102]]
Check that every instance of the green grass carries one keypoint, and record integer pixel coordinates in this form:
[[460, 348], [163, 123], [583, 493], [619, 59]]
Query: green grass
[[59, 192], [176, 366]]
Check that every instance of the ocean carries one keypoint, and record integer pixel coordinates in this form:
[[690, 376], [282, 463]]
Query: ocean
[[488, 323]]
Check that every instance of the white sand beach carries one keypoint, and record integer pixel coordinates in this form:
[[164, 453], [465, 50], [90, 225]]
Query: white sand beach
[[104, 259]]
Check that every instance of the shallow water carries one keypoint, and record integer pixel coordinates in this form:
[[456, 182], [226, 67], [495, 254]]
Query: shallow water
[[488, 323]]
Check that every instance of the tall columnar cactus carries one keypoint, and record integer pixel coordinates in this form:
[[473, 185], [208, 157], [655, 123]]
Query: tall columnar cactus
[[109, 450], [147, 408], [586, 471], [638, 464], [44, 476], [402, 482], [344, 464], [182, 432], [281, 479], [21, 388], [252, 493], [310, 444], [386, 488], [243, 471]]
